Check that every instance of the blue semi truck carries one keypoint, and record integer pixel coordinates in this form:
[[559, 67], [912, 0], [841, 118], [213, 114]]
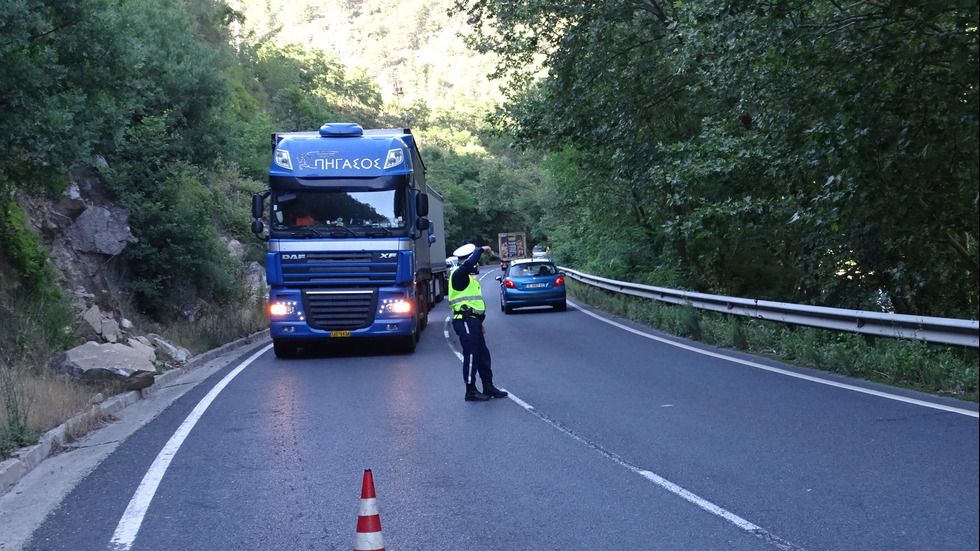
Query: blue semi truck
[[356, 237]]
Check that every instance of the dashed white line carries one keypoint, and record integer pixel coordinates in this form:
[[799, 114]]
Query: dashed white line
[[704, 504]]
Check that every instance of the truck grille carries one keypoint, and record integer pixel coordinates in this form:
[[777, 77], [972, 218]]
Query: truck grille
[[340, 310], [340, 268]]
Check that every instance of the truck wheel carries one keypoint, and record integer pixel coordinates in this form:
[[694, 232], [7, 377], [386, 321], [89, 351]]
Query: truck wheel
[[423, 305], [407, 344], [283, 349]]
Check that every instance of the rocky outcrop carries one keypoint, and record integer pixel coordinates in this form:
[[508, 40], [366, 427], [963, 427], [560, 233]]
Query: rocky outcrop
[[97, 323], [85, 233]]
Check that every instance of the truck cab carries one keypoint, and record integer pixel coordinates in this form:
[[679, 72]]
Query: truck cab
[[349, 238]]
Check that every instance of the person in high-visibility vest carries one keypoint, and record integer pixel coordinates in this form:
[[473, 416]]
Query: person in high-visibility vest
[[469, 311]]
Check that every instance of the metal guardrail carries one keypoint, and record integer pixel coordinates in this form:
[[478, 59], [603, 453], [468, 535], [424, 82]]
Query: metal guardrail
[[924, 328]]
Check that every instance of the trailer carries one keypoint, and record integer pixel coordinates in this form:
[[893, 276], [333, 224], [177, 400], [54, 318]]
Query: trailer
[[512, 246]]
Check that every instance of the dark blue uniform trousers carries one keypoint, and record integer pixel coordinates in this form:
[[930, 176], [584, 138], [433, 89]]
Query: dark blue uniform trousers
[[476, 355]]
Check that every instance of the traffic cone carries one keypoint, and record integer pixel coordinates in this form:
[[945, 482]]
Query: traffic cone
[[368, 536]]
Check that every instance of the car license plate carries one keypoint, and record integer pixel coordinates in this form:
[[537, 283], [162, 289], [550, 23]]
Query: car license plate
[[340, 333], [536, 285]]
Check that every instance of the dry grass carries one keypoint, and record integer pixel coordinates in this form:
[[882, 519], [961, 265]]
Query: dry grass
[[33, 400], [47, 400]]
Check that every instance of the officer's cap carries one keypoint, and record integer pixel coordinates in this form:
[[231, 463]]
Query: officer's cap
[[464, 251]]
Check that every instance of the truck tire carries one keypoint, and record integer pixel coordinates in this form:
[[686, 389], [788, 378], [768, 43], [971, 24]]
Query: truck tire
[[408, 342], [283, 349], [423, 305]]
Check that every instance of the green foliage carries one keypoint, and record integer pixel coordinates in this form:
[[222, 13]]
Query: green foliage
[[35, 316], [306, 87], [22, 249], [178, 254], [57, 59], [805, 151], [34, 311], [15, 431], [410, 51]]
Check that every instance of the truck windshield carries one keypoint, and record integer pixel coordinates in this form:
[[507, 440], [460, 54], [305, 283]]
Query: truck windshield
[[350, 212]]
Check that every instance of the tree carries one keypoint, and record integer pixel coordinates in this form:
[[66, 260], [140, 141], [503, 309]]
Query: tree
[[58, 60], [793, 150]]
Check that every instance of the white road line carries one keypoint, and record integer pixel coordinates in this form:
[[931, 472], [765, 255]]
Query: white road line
[[132, 519], [810, 378]]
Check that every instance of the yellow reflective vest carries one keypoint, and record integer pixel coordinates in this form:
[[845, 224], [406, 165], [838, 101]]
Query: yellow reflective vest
[[471, 296]]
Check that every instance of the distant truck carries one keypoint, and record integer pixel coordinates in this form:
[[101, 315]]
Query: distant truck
[[512, 246], [356, 237]]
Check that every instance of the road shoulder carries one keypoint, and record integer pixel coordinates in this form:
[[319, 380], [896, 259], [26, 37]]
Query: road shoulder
[[38, 478]]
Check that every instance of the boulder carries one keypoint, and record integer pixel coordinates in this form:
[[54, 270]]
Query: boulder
[[107, 362], [143, 346], [170, 353], [255, 280], [101, 230], [234, 248]]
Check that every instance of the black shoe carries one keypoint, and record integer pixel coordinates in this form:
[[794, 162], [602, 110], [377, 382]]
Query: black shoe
[[474, 395], [492, 391]]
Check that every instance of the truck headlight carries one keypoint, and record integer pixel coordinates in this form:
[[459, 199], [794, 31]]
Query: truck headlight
[[283, 308], [395, 306]]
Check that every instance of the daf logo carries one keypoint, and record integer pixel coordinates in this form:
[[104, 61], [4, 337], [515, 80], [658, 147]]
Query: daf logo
[[293, 256], [385, 256]]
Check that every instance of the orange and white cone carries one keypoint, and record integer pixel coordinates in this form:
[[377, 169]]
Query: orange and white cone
[[368, 536]]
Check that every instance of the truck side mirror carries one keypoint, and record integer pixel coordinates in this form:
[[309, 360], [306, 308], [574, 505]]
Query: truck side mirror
[[422, 205], [258, 206], [422, 224], [257, 227]]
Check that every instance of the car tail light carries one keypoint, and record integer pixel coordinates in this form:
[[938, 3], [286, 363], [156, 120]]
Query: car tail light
[[509, 284], [560, 281]]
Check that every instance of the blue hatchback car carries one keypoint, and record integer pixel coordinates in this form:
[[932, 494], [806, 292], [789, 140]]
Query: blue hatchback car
[[532, 282]]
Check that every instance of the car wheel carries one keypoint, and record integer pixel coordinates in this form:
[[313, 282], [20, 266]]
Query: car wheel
[[562, 306]]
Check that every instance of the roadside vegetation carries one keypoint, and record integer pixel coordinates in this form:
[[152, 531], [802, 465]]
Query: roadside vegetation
[[938, 369], [803, 152]]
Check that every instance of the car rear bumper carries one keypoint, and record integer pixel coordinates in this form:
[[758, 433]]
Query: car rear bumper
[[517, 299]]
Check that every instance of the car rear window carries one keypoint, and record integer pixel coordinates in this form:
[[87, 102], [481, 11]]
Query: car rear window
[[531, 269]]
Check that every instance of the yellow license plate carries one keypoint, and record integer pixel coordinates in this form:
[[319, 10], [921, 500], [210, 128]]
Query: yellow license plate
[[340, 333]]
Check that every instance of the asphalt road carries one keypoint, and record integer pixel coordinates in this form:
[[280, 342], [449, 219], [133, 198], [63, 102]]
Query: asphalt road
[[614, 437]]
